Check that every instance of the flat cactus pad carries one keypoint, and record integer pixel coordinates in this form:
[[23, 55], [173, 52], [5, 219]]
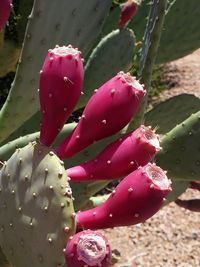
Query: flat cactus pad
[[36, 209]]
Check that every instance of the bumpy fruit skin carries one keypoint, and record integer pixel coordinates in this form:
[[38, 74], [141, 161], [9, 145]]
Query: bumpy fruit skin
[[128, 11], [120, 157], [137, 197], [110, 109], [88, 248], [5, 7], [61, 83]]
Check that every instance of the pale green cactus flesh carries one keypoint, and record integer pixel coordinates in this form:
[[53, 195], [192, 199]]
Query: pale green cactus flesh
[[36, 215]]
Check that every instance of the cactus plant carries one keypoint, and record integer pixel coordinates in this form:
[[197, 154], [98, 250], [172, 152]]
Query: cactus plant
[[172, 46], [9, 148], [30, 196], [40, 204], [106, 59], [34, 184], [81, 34], [162, 115], [177, 144]]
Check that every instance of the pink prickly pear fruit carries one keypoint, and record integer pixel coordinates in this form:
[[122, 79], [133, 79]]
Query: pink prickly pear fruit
[[88, 248], [110, 109], [130, 151], [190, 204], [61, 83], [128, 11], [136, 198], [5, 7]]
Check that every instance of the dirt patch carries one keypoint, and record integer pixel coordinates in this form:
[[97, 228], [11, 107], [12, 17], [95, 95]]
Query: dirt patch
[[172, 236]]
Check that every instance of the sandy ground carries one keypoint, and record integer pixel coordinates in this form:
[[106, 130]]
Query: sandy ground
[[172, 236]]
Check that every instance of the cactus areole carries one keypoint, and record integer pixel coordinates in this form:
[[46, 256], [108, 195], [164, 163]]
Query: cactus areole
[[117, 100], [88, 248], [61, 83], [137, 197]]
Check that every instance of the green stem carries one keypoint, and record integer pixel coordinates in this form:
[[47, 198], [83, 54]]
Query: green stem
[[149, 51]]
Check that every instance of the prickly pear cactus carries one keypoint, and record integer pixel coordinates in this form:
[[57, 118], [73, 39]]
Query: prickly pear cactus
[[43, 32], [162, 115], [180, 153], [37, 215]]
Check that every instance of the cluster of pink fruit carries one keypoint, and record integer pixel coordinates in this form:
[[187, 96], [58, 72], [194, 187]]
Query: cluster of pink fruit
[[140, 194]]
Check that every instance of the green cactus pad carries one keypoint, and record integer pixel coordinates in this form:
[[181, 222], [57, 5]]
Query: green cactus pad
[[96, 201], [9, 148], [180, 155], [164, 117], [114, 53], [24, 9], [178, 188], [36, 215], [181, 34], [137, 24], [77, 23], [82, 191], [32, 125]]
